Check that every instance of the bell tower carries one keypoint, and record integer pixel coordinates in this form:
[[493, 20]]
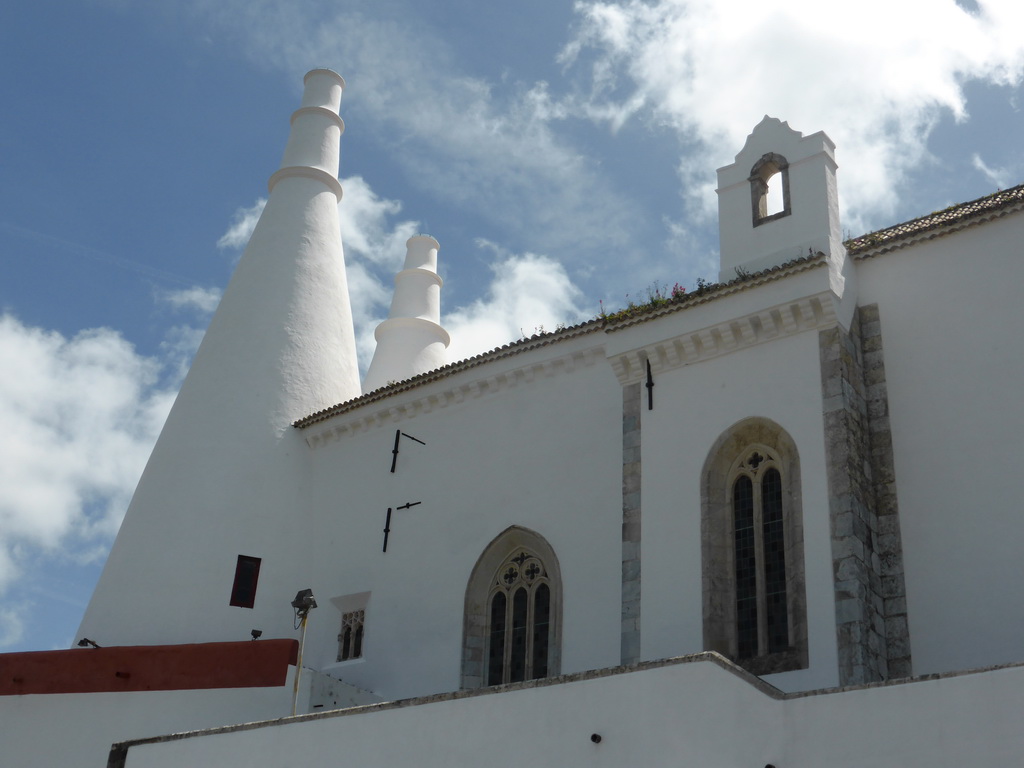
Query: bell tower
[[778, 200]]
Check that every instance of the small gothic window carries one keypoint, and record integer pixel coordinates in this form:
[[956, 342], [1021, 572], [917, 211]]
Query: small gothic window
[[769, 189], [247, 574], [519, 625], [350, 641]]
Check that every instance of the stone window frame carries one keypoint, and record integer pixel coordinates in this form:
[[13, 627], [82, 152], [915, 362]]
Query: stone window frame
[[718, 556], [764, 169], [480, 589], [353, 613]]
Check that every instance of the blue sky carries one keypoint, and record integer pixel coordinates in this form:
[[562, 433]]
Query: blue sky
[[562, 153]]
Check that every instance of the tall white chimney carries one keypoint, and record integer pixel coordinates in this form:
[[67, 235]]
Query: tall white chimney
[[227, 474]]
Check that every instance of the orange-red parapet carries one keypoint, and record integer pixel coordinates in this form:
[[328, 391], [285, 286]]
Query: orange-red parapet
[[249, 664]]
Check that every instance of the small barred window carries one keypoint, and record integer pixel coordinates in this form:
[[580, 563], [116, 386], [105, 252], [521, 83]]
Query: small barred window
[[350, 640]]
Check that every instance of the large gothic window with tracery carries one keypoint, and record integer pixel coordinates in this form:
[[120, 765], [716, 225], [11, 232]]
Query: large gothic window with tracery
[[513, 612], [519, 621], [752, 549], [762, 623]]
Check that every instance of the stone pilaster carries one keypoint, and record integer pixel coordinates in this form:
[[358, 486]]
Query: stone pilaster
[[860, 625], [888, 543], [630, 638]]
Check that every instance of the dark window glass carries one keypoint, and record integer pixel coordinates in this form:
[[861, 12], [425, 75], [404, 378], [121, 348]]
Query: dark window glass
[[357, 643], [496, 656], [247, 573], [517, 661], [346, 644], [541, 621], [746, 568], [776, 617]]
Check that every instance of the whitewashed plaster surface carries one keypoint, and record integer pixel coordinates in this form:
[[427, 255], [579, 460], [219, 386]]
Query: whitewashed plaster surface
[[228, 475], [44, 731], [695, 713], [952, 330], [543, 454]]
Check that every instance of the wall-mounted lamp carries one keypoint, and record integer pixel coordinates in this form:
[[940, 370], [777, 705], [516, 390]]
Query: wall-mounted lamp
[[303, 603], [85, 642]]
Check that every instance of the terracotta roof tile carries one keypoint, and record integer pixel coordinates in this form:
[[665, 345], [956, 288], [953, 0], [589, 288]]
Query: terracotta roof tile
[[951, 219], [941, 222]]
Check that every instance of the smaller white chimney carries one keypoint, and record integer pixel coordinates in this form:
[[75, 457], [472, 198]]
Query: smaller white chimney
[[411, 341]]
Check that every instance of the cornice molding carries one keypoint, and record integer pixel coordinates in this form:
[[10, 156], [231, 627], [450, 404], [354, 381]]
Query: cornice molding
[[816, 311], [719, 291], [395, 409]]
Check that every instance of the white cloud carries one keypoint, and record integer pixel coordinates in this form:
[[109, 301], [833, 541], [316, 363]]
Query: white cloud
[[198, 298], [365, 229], [242, 225], [80, 417], [528, 294], [999, 177], [12, 624], [491, 151], [875, 75]]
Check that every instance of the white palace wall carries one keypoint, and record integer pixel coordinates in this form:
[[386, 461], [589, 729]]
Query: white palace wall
[[554, 435], [951, 330], [532, 445]]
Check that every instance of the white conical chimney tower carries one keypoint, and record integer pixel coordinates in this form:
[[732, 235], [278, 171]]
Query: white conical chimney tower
[[411, 341], [227, 475]]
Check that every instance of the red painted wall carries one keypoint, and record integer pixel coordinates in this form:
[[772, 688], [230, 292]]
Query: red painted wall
[[249, 664]]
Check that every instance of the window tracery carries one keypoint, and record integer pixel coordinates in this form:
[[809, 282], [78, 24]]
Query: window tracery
[[520, 621], [762, 625], [350, 639], [513, 612]]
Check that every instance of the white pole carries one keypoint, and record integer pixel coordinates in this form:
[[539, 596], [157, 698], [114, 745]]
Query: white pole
[[298, 664]]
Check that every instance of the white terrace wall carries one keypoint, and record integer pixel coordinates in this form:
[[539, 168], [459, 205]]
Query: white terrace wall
[[697, 713], [49, 730], [952, 335]]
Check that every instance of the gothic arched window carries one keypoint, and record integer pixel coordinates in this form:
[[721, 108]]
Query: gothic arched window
[[513, 610], [762, 624], [519, 621], [754, 602]]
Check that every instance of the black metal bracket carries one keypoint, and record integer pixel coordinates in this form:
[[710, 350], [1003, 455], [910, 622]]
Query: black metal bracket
[[387, 520], [399, 434], [650, 388]]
